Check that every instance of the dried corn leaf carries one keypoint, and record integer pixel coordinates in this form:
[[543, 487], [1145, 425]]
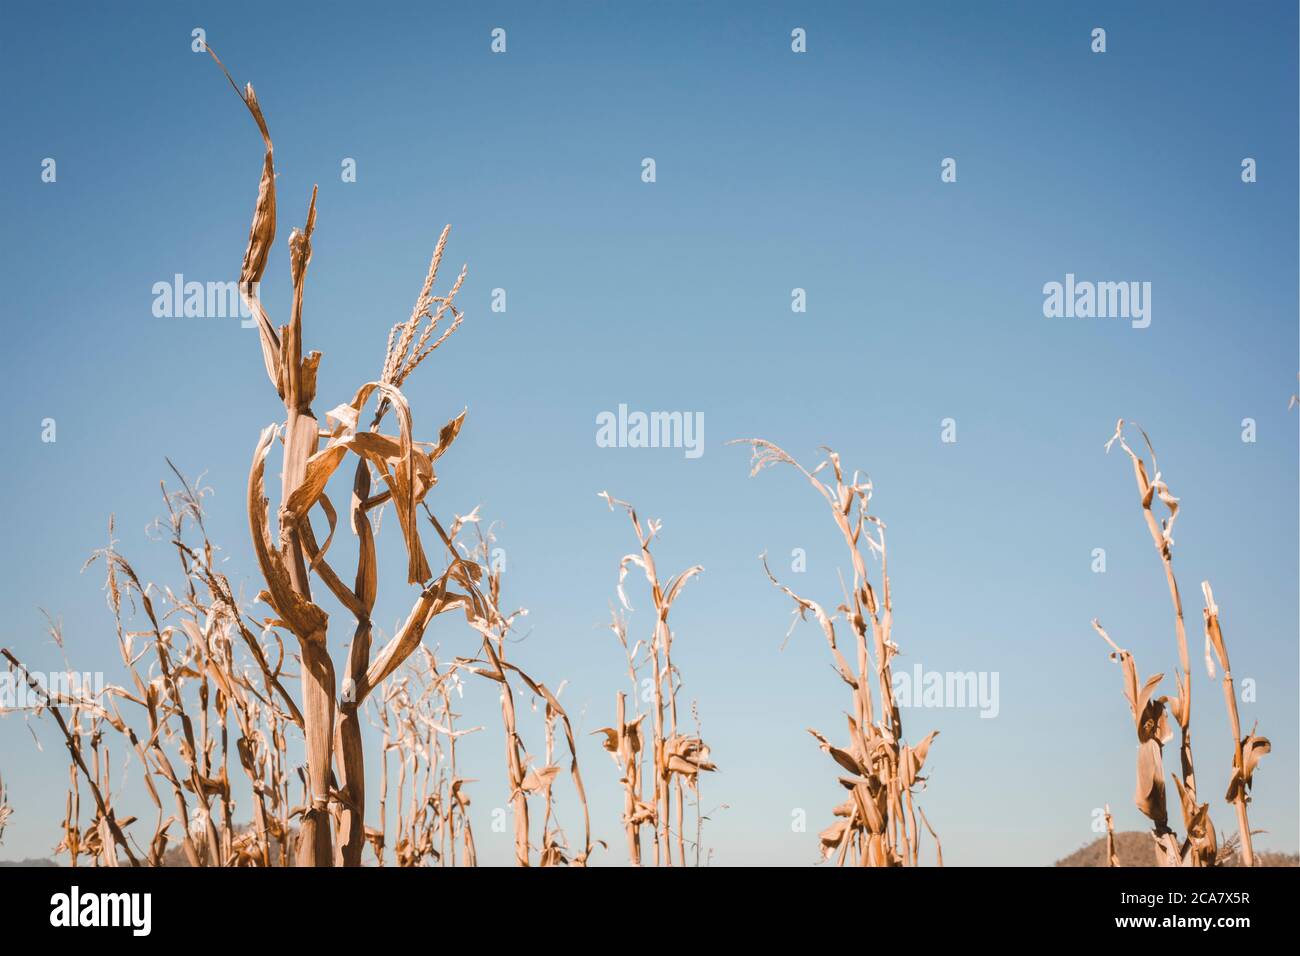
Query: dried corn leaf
[[305, 619]]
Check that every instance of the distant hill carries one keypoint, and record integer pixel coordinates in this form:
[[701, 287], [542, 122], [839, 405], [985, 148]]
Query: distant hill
[[1136, 848], [34, 861]]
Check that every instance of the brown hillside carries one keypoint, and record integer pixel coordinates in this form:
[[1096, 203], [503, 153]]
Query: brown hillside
[[1135, 848]]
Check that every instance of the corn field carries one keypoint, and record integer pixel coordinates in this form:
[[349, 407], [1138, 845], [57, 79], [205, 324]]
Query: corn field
[[245, 718]]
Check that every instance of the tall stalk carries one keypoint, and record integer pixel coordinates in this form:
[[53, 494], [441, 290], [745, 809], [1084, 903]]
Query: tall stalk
[[406, 468], [875, 826], [1246, 752], [677, 758]]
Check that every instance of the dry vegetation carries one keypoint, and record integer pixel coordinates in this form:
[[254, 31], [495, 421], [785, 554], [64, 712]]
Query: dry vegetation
[[213, 695], [678, 758], [1200, 845], [420, 735], [208, 682], [526, 780], [877, 824], [5, 810], [1136, 848], [199, 669]]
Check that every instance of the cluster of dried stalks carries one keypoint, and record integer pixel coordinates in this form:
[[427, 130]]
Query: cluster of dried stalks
[[207, 685], [877, 824], [677, 758], [419, 728], [201, 668], [202, 690], [1200, 846]]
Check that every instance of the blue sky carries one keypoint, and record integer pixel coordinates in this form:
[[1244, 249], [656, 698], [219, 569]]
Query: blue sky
[[775, 170]]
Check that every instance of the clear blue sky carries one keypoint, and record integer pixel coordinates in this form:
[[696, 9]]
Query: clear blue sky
[[775, 171]]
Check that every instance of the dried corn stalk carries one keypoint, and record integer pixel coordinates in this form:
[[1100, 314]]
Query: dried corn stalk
[[525, 777], [876, 825], [1112, 856], [290, 555], [1201, 845], [678, 758], [1247, 751], [1195, 816], [6, 811], [1153, 732]]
